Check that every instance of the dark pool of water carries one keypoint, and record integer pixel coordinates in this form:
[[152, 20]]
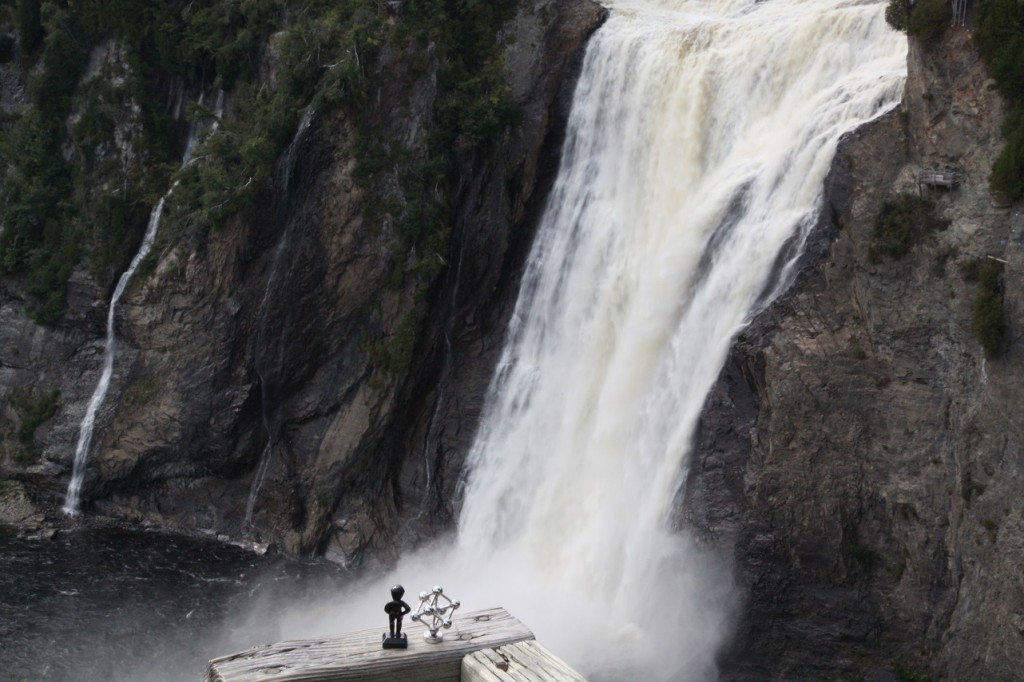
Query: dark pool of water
[[113, 604]]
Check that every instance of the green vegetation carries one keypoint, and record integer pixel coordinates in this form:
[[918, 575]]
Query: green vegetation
[[989, 319], [327, 57], [141, 391], [91, 157], [83, 173], [32, 412], [410, 188], [30, 28], [926, 19], [395, 355], [901, 221], [322, 60], [929, 19], [905, 673], [999, 36], [52, 205], [1007, 177], [897, 14], [970, 269], [473, 105]]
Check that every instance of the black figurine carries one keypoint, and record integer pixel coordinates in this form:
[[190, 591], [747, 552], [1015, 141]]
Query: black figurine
[[396, 609]]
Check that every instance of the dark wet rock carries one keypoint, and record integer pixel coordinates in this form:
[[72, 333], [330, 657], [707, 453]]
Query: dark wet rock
[[264, 331], [860, 453]]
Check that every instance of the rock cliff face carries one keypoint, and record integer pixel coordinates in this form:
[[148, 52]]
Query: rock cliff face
[[247, 398], [859, 452]]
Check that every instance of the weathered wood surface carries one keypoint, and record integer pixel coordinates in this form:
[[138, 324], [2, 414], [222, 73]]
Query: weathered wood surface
[[359, 656], [525, 661]]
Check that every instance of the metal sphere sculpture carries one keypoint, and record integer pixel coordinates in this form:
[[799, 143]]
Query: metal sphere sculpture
[[439, 613]]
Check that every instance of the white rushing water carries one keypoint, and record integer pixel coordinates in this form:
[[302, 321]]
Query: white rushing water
[[72, 499], [700, 139], [700, 136], [99, 394]]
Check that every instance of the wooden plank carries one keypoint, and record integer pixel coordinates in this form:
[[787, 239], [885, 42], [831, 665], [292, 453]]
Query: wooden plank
[[359, 656], [526, 661]]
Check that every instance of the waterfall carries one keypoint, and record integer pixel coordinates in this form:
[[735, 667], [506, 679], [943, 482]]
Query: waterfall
[[262, 362], [99, 394], [700, 136], [698, 144]]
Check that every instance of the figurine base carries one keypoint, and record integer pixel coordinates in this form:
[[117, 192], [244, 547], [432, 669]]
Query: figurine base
[[433, 637], [399, 642]]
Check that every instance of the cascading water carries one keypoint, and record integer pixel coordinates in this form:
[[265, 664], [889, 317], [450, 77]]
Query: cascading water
[[99, 394], [698, 145], [700, 136], [268, 368], [85, 430]]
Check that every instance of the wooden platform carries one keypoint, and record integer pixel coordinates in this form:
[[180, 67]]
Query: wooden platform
[[359, 656], [948, 178], [526, 661]]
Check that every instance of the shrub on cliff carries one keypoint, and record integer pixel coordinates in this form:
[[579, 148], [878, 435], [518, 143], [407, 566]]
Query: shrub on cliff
[[999, 36], [1007, 177], [32, 412], [85, 163], [926, 20], [929, 19], [900, 221], [897, 13], [64, 198], [989, 322], [39, 240]]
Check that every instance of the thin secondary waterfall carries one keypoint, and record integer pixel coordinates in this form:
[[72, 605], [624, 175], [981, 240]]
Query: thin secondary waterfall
[[700, 136], [268, 368], [99, 394]]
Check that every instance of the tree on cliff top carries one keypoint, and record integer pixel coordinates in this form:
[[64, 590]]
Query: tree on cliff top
[[926, 20], [999, 36]]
